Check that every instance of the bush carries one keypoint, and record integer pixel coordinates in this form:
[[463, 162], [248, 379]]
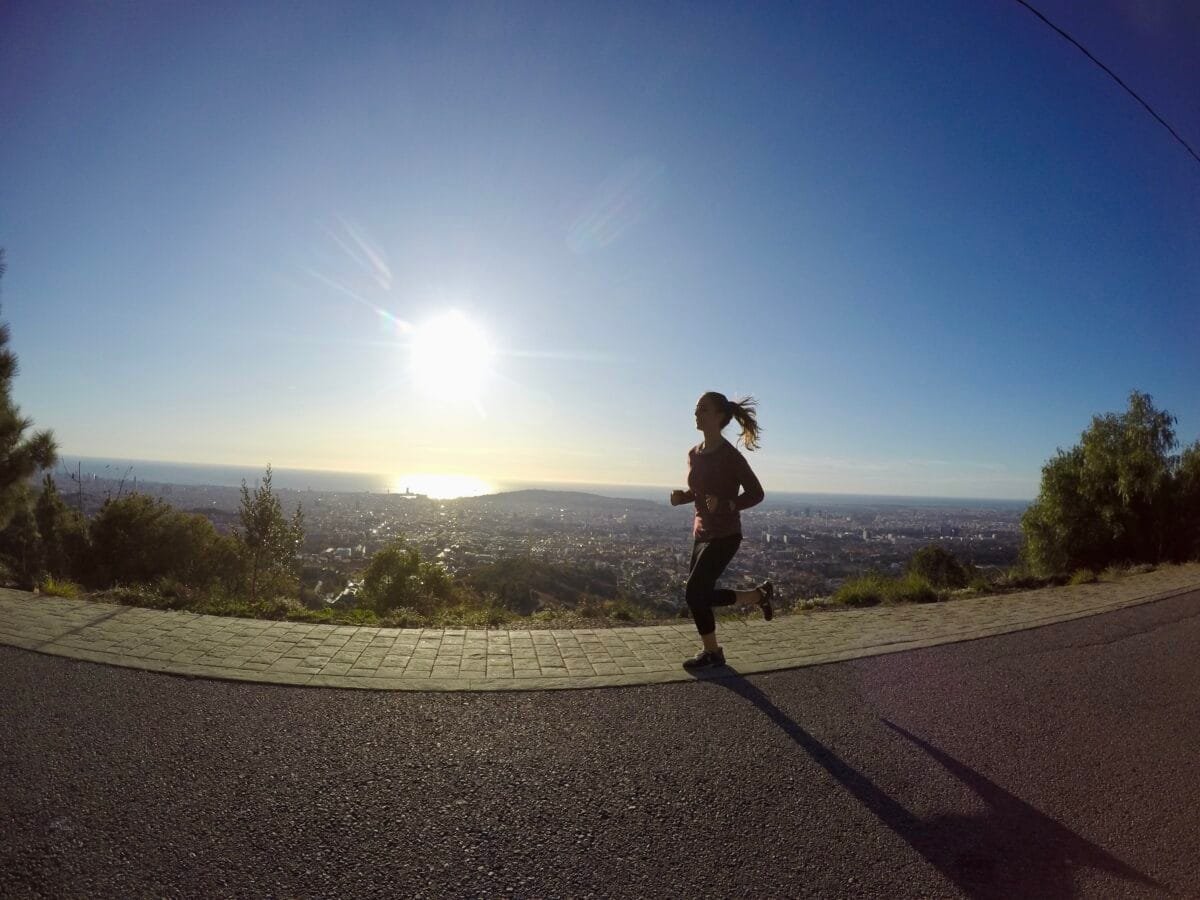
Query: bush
[[912, 588], [866, 590], [59, 587], [523, 584], [979, 583], [404, 617], [1083, 576], [938, 567], [1020, 578], [466, 615], [873, 588], [139, 539]]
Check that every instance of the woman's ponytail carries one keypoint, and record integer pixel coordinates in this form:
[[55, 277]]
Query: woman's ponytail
[[745, 411]]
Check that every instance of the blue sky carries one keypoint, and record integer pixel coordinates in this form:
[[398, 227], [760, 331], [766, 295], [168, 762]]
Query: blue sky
[[932, 239]]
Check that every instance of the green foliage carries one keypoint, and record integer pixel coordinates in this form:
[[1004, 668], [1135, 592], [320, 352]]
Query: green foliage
[[125, 540], [56, 587], [1119, 496], [939, 567], [66, 546], [398, 577], [1082, 576], [1187, 503], [874, 588], [138, 539], [20, 543], [866, 590], [979, 583], [268, 541], [1020, 578], [405, 617], [20, 456], [470, 615], [520, 583]]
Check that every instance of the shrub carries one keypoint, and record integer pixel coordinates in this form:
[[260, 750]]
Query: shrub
[[323, 615], [355, 617], [1020, 578], [866, 590], [911, 588], [466, 615], [59, 587], [938, 566], [404, 617], [129, 595], [139, 539], [979, 583], [622, 611], [1083, 576], [276, 607], [873, 588]]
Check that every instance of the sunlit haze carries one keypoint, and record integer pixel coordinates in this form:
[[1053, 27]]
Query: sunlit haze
[[489, 244]]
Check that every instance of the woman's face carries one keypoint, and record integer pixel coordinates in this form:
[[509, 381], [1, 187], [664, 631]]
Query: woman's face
[[708, 417]]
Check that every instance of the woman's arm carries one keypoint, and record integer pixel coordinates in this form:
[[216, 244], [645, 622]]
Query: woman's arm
[[752, 492]]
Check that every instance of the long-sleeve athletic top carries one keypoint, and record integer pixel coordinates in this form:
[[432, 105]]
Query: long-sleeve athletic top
[[720, 473]]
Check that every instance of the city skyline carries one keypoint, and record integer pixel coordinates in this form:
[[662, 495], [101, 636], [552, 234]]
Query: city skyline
[[515, 244]]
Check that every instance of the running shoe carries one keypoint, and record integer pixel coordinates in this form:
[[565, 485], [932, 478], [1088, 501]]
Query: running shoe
[[705, 659]]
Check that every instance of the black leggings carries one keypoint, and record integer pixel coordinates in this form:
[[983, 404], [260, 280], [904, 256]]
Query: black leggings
[[709, 559]]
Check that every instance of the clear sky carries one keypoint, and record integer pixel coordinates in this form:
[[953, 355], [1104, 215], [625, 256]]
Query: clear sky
[[931, 238]]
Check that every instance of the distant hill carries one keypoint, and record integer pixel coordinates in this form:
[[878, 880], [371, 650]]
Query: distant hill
[[532, 499]]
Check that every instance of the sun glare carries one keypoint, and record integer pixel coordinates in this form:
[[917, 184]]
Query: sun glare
[[443, 487], [451, 356]]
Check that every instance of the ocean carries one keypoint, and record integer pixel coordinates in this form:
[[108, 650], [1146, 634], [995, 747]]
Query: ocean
[[152, 471]]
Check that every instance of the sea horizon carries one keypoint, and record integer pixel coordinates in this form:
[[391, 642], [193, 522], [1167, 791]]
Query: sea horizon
[[333, 481]]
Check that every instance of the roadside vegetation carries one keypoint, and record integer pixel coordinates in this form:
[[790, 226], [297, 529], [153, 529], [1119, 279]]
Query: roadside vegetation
[[1123, 501]]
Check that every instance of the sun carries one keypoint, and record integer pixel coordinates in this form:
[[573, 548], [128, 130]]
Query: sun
[[451, 356]]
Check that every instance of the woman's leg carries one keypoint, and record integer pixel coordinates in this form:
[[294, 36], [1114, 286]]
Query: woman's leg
[[709, 560]]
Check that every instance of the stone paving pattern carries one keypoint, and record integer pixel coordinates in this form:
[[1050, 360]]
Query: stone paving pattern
[[456, 659]]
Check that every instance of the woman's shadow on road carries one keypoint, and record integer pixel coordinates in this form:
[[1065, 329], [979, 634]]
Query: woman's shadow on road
[[1012, 850]]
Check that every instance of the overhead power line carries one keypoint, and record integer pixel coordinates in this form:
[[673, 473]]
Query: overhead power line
[[1114, 77]]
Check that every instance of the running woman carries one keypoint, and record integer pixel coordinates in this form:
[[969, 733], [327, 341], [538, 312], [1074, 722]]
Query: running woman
[[716, 470]]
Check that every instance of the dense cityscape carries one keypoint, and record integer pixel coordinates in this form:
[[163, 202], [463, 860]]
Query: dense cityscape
[[807, 548]]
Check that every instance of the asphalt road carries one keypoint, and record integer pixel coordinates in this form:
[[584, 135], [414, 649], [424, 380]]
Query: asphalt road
[[1056, 762]]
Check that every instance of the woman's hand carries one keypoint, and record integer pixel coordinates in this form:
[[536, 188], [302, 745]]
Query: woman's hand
[[678, 497]]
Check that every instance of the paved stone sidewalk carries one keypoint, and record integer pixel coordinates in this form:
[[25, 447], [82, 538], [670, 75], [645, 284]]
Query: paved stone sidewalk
[[457, 659]]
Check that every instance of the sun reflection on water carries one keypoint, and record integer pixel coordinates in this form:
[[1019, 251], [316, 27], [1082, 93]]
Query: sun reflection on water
[[442, 487]]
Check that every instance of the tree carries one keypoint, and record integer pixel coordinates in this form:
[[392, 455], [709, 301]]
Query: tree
[[269, 542], [939, 567], [397, 576], [1113, 498], [63, 532], [127, 546], [1187, 502], [20, 543], [20, 457]]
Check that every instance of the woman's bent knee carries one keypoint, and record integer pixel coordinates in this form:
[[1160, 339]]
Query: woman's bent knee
[[698, 596]]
